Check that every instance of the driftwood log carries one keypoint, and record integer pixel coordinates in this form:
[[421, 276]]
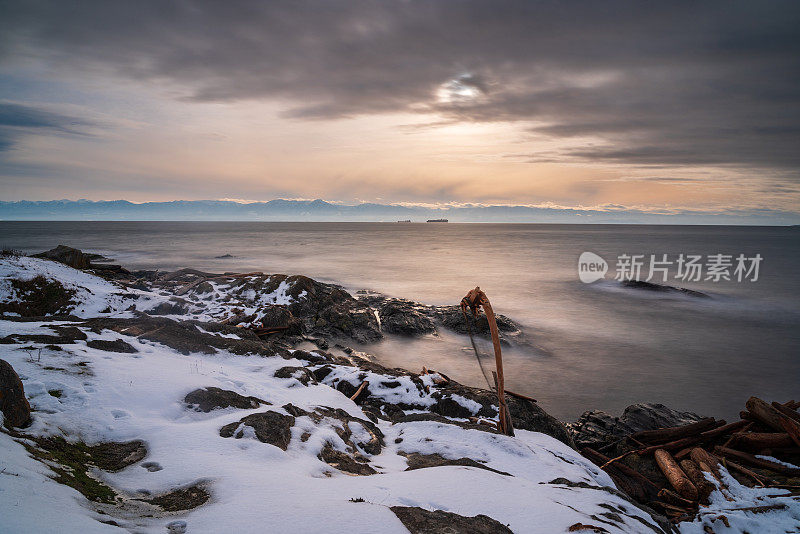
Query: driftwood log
[[664, 435], [695, 474], [764, 413], [758, 462], [675, 475]]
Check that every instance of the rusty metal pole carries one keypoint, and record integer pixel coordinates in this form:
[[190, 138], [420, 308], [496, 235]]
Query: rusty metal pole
[[474, 300]]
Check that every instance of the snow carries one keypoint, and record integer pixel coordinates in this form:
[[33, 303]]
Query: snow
[[257, 487], [94, 297], [729, 503], [233, 297]]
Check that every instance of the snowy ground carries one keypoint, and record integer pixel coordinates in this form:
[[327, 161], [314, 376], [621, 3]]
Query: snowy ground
[[258, 487]]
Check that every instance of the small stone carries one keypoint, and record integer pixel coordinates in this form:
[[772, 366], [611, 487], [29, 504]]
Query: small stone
[[177, 527]]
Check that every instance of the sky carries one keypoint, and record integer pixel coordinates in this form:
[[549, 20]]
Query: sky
[[640, 105]]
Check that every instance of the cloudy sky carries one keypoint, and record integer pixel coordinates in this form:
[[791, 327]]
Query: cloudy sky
[[654, 105]]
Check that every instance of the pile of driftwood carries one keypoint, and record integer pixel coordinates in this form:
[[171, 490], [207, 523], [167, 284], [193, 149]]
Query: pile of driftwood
[[664, 468]]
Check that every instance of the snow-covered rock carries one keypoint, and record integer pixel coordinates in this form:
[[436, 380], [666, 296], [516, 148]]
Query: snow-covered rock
[[319, 463]]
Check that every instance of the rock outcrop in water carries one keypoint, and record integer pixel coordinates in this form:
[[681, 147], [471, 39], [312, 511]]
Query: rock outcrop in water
[[597, 429], [413, 319]]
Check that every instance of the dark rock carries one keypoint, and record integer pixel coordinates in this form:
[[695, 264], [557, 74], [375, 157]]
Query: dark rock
[[311, 357], [300, 373], [115, 456], [183, 336], [279, 316], [450, 408], [416, 460], [344, 462], [372, 446], [660, 288], [452, 318], [169, 308], [525, 415], [414, 417], [408, 318], [66, 255], [39, 297], [64, 335], [180, 499], [596, 428], [270, 427], [117, 345], [330, 311], [224, 257], [13, 403], [420, 521], [211, 398], [403, 317]]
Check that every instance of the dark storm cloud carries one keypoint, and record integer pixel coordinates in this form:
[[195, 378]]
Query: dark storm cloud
[[663, 83], [17, 120]]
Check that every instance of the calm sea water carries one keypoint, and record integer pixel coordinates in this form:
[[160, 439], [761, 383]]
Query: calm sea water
[[595, 346]]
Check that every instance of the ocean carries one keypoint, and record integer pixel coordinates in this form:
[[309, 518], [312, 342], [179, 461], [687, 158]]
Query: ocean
[[594, 346]]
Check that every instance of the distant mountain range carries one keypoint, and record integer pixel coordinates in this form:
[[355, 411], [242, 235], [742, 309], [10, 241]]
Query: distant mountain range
[[320, 210]]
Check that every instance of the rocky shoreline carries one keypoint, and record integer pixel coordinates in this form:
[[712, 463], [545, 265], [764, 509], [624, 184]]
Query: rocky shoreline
[[309, 325]]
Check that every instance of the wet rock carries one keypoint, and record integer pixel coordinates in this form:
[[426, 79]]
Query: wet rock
[[180, 499], [302, 374], [66, 255], [344, 462], [211, 398], [408, 318], [452, 318], [660, 288], [420, 521], [115, 456], [311, 357], [117, 345], [416, 460], [596, 428], [269, 427], [13, 403], [405, 318], [177, 527]]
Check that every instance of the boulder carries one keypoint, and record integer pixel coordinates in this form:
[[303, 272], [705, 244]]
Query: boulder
[[270, 427], [345, 462], [404, 318], [597, 428], [66, 255], [115, 456], [302, 374], [420, 521], [13, 403], [117, 345], [661, 288], [180, 499], [211, 398]]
